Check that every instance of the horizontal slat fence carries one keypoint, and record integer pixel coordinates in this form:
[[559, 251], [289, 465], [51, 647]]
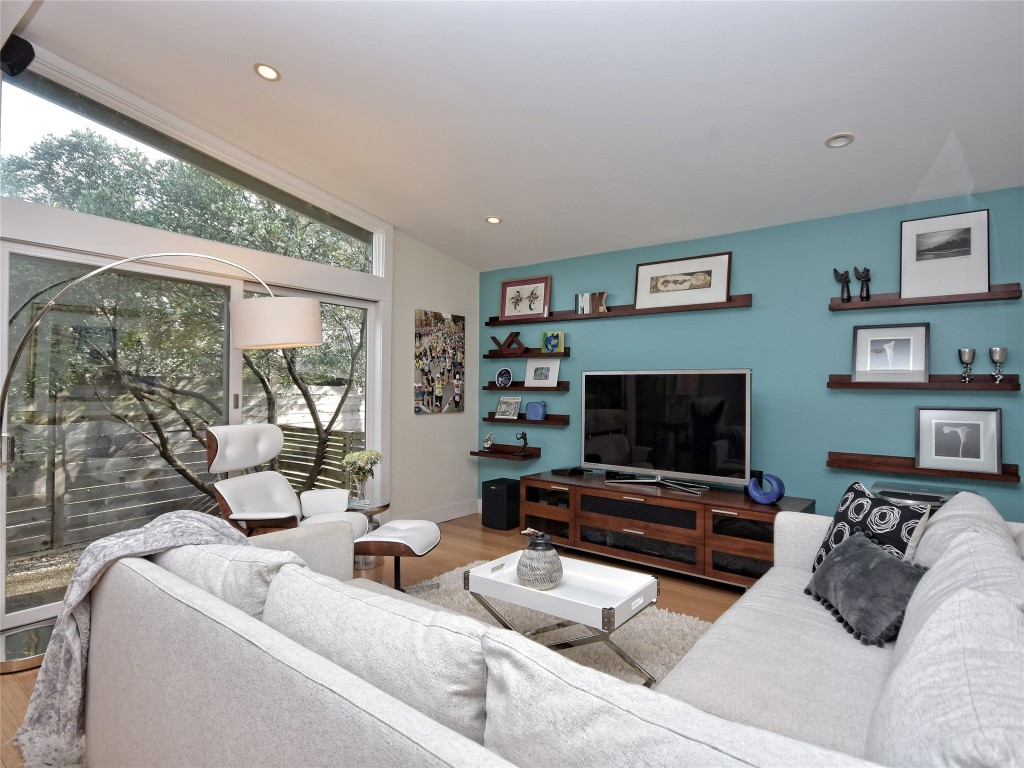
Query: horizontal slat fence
[[109, 478], [299, 450]]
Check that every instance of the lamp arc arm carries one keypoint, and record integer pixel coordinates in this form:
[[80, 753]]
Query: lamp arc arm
[[53, 302]]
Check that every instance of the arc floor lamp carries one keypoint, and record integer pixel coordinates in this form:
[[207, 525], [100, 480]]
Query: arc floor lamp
[[264, 322]]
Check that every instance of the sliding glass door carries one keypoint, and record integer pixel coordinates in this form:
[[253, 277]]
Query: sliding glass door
[[318, 396], [108, 409]]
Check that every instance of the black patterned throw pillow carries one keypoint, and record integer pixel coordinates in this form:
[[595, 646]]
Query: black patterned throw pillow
[[895, 527]]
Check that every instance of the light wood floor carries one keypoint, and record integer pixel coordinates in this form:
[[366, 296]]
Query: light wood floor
[[462, 541]]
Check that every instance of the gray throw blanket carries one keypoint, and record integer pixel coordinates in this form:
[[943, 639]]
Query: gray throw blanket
[[53, 731]]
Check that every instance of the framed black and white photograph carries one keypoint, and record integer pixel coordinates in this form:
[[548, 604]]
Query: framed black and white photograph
[[542, 373], [959, 439], [890, 352], [508, 407], [944, 255], [679, 282], [525, 298]]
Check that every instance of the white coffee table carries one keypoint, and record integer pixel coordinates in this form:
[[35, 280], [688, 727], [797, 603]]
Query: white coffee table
[[599, 597]]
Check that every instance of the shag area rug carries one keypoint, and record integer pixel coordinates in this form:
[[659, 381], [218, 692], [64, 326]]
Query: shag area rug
[[655, 637]]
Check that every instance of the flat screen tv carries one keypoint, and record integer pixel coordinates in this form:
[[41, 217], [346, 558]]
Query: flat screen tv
[[686, 429]]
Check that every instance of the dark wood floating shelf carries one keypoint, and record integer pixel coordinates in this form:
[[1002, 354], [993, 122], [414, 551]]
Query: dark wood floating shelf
[[528, 352], [904, 465], [625, 310], [520, 386], [508, 452], [952, 381], [551, 420], [1003, 292]]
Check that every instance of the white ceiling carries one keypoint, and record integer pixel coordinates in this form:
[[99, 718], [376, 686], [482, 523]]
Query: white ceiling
[[587, 126]]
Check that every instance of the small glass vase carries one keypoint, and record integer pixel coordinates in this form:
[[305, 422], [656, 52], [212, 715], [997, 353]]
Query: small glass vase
[[539, 565], [358, 497]]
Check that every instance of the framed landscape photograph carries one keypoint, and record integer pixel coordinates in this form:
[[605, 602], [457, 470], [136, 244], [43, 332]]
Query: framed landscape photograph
[[679, 282], [508, 407], [526, 297], [542, 373], [959, 439], [890, 352], [944, 255]]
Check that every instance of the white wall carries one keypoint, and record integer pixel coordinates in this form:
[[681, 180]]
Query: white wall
[[433, 477], [12, 14]]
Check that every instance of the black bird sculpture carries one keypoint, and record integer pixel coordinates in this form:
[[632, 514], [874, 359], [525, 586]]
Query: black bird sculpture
[[843, 278], [865, 278]]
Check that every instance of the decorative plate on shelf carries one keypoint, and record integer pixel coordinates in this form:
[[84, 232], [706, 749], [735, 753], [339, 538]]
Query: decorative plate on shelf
[[503, 378]]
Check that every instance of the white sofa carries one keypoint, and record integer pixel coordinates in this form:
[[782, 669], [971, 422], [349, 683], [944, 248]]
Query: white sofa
[[948, 691], [315, 669]]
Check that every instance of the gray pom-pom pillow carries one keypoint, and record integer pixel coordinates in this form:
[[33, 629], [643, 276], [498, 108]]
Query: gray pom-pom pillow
[[865, 588]]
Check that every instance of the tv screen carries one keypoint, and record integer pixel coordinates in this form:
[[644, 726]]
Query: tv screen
[[690, 426]]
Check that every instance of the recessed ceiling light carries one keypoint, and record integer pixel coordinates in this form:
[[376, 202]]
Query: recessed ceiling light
[[267, 72], [493, 220], [839, 140]]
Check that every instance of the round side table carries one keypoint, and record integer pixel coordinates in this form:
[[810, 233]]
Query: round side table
[[371, 510]]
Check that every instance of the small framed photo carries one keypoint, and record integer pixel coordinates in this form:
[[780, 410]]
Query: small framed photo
[[526, 297], [542, 373], [890, 352], [944, 255], [508, 407], [959, 439], [678, 282], [552, 342]]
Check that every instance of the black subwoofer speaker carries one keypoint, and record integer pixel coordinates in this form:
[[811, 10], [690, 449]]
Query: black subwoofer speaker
[[500, 503]]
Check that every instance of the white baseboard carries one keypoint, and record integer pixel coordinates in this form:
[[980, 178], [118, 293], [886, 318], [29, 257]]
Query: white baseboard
[[440, 514]]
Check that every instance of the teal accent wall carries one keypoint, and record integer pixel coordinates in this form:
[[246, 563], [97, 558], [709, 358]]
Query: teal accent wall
[[790, 340]]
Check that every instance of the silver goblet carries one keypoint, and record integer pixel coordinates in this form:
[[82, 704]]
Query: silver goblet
[[966, 358], [998, 355]]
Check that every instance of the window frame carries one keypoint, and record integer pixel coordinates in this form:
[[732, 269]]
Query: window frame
[[45, 232]]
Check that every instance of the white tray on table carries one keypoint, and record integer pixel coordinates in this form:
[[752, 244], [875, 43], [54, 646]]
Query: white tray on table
[[597, 596]]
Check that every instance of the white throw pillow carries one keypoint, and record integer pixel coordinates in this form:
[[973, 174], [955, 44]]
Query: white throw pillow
[[429, 659], [964, 512], [957, 697], [546, 710], [237, 574]]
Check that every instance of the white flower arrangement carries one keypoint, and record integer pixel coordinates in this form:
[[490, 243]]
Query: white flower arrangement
[[360, 464]]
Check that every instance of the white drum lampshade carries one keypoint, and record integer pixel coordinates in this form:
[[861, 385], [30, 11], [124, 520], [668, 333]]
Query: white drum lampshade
[[275, 322]]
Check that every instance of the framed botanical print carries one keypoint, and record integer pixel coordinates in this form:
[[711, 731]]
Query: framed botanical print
[[959, 439], [890, 352]]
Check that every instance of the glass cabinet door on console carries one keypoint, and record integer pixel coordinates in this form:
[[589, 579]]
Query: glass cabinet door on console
[[658, 532], [547, 507], [719, 535], [739, 545]]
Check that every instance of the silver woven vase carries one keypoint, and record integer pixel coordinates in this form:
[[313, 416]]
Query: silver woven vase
[[539, 565]]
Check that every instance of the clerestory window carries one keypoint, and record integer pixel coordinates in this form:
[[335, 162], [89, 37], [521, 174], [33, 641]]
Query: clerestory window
[[61, 149]]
